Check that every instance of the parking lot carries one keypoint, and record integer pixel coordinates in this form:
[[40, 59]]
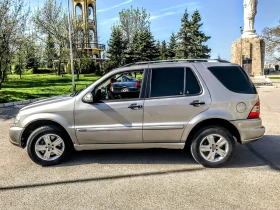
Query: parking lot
[[145, 179]]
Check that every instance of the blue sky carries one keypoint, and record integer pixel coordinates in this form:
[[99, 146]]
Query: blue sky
[[221, 18]]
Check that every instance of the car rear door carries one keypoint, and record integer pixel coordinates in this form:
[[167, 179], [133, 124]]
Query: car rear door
[[174, 96]]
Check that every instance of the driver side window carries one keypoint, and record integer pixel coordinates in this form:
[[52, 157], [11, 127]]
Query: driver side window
[[125, 85]]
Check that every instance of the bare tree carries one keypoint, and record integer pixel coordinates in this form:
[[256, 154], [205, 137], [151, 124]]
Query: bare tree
[[13, 20], [51, 20], [272, 39], [132, 20]]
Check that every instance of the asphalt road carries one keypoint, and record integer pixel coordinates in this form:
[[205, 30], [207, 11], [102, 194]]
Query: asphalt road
[[145, 179]]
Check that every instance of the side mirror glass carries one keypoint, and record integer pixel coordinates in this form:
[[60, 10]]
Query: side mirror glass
[[88, 98]]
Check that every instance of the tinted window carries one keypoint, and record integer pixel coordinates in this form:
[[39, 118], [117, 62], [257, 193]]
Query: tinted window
[[167, 82], [234, 79], [192, 85]]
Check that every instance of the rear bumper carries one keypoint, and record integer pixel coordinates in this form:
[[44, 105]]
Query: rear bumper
[[250, 130], [15, 135]]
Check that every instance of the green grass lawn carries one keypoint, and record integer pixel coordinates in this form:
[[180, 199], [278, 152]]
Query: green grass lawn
[[40, 86], [274, 77]]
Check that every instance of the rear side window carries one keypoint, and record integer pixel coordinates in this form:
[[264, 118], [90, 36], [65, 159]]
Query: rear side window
[[192, 85], [234, 78], [167, 82]]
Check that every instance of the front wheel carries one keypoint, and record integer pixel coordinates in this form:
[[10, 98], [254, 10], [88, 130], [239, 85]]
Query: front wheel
[[213, 146], [48, 145]]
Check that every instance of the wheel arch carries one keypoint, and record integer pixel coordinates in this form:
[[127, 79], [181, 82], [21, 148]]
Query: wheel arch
[[37, 124], [213, 121]]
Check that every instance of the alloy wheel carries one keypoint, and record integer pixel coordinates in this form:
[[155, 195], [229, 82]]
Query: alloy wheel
[[214, 148], [49, 147]]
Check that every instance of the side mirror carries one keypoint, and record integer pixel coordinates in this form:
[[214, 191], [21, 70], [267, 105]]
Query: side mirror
[[88, 98]]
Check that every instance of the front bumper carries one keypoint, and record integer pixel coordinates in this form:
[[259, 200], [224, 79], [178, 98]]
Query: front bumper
[[15, 135], [250, 130]]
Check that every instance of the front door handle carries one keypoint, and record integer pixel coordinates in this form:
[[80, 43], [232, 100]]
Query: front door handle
[[135, 106], [197, 103]]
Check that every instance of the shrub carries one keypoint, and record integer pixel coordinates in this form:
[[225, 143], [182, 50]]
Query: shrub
[[32, 63], [18, 68], [87, 66], [44, 71]]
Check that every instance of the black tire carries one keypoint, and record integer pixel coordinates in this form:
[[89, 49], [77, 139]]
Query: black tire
[[37, 134], [201, 135]]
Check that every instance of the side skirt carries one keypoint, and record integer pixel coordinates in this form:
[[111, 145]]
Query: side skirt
[[129, 146]]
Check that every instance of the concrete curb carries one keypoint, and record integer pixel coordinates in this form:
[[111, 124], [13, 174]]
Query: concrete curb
[[16, 103], [271, 87]]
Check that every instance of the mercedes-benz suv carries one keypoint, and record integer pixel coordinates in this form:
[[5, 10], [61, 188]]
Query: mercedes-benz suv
[[205, 106]]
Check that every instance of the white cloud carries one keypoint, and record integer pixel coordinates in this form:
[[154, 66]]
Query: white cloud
[[109, 21], [190, 4], [162, 15], [109, 8]]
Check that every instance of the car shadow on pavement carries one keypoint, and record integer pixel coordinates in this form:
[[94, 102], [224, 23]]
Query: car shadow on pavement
[[265, 152], [130, 156]]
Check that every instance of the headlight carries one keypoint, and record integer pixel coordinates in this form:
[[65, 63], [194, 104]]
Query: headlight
[[17, 119]]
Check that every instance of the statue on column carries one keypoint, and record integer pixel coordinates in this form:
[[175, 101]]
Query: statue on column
[[250, 12]]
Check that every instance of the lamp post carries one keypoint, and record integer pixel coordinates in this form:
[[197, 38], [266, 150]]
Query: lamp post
[[241, 31], [71, 50]]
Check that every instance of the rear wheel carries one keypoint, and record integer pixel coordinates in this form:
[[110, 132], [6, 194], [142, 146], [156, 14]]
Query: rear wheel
[[48, 145], [213, 146]]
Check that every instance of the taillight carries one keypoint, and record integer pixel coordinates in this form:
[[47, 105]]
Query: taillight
[[137, 84], [255, 113]]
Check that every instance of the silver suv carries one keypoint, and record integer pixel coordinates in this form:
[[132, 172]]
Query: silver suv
[[202, 105]]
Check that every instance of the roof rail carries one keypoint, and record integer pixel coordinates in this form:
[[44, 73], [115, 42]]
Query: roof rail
[[178, 60]]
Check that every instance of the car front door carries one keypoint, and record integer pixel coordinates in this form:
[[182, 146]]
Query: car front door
[[176, 95], [110, 121]]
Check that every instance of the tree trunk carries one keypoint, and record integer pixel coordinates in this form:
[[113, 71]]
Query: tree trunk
[[58, 70], [78, 72]]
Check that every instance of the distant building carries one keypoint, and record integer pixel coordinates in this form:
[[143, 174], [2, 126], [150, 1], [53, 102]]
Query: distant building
[[85, 13], [271, 64]]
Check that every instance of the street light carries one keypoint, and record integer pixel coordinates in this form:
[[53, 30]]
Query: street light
[[241, 31], [71, 50]]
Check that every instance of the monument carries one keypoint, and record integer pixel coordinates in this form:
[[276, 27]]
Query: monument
[[85, 11], [249, 50]]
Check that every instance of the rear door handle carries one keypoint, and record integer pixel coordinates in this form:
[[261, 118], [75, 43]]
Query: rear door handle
[[197, 103], [135, 106]]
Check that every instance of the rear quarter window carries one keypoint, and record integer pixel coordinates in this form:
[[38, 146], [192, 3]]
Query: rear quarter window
[[234, 78]]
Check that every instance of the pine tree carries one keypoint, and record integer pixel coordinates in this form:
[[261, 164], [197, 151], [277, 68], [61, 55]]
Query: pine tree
[[116, 47], [133, 53], [172, 47], [197, 48], [50, 51], [158, 46], [143, 48], [164, 54], [184, 37], [191, 39], [148, 49]]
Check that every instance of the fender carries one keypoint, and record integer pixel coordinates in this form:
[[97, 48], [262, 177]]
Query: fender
[[212, 113], [54, 118]]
